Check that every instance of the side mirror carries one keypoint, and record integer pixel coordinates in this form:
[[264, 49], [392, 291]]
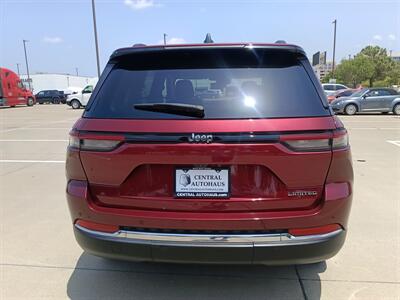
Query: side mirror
[[365, 96]]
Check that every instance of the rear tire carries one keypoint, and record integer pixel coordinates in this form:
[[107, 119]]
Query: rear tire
[[396, 109], [55, 101], [75, 104], [350, 110], [29, 102]]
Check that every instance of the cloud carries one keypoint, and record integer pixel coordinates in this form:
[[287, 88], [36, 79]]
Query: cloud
[[173, 40], [139, 4], [52, 40], [392, 37], [377, 37]]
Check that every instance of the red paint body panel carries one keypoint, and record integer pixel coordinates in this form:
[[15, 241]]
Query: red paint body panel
[[327, 212], [11, 93], [133, 184]]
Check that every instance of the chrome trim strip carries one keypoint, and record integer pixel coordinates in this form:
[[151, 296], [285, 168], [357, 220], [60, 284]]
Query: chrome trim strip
[[208, 240]]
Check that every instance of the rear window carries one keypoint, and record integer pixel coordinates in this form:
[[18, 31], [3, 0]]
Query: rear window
[[236, 84]]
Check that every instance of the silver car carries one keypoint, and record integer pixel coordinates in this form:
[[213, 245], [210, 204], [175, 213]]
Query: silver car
[[382, 100]]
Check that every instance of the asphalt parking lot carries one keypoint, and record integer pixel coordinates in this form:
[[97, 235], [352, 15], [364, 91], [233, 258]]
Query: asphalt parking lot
[[40, 258]]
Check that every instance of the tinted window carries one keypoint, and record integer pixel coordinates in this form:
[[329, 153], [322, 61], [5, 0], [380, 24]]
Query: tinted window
[[359, 93], [393, 92], [340, 87], [328, 87], [278, 88], [88, 89], [384, 93], [346, 93], [377, 93]]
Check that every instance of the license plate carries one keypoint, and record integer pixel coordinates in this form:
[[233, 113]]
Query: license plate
[[202, 183]]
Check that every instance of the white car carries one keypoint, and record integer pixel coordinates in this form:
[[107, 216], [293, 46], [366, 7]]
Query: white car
[[80, 99], [331, 88]]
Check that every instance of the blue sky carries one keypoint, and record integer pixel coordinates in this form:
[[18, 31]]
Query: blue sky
[[60, 33]]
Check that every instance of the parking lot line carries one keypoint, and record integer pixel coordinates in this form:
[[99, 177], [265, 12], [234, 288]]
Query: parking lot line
[[375, 128], [396, 143], [32, 161]]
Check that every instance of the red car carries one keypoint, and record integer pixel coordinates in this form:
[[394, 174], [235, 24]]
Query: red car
[[259, 172], [341, 93]]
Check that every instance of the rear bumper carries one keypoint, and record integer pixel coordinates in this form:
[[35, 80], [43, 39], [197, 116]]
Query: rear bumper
[[269, 249]]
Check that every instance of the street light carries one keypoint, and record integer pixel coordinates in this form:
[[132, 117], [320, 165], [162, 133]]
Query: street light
[[334, 46], [95, 38], [26, 61], [76, 69]]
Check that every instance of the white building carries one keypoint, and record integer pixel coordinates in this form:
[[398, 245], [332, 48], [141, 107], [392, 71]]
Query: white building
[[61, 82], [395, 55], [321, 70]]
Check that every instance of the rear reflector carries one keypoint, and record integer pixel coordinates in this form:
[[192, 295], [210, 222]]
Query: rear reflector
[[315, 230], [97, 226]]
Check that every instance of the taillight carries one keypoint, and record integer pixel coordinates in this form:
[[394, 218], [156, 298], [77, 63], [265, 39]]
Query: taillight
[[93, 142], [340, 140], [309, 145], [319, 142]]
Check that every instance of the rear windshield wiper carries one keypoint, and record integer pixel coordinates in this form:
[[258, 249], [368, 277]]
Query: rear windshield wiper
[[173, 108]]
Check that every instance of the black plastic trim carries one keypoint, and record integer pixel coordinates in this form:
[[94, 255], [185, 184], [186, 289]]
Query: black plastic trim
[[223, 138]]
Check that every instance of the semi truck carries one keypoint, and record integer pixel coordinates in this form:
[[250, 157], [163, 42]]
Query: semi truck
[[12, 90]]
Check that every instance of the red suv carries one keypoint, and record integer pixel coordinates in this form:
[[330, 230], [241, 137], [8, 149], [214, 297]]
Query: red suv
[[212, 153]]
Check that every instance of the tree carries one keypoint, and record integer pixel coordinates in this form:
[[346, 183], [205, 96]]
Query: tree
[[352, 71], [382, 63], [394, 75], [372, 64]]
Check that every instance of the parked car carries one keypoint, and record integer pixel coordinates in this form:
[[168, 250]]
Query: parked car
[[341, 93], [50, 96], [382, 100], [261, 174], [79, 100], [63, 97], [12, 91], [331, 88]]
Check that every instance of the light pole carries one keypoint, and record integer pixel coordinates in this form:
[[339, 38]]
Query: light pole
[[18, 69], [26, 61], [334, 46], [76, 70], [95, 39], [165, 38]]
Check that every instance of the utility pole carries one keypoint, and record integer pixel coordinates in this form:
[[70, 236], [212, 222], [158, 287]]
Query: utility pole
[[95, 38], [165, 38], [76, 70], [18, 69], [334, 46], [26, 61]]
